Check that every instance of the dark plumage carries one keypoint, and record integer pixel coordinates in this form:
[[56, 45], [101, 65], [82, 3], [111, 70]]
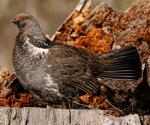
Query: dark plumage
[[54, 72]]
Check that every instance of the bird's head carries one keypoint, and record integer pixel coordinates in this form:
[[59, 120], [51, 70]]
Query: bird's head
[[30, 32], [23, 20]]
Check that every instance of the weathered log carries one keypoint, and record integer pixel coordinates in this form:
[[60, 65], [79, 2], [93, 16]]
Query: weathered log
[[46, 116]]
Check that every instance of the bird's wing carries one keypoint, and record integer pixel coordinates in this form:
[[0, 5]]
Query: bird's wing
[[71, 67], [42, 86]]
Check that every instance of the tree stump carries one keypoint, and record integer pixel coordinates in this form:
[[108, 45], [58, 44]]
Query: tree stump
[[46, 116]]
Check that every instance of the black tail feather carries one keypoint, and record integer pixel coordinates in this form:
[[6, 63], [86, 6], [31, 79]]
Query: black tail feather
[[126, 64]]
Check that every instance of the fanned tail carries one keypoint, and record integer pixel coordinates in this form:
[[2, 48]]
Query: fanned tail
[[126, 64]]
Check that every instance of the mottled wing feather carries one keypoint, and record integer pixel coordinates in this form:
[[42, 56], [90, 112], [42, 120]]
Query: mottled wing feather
[[70, 67]]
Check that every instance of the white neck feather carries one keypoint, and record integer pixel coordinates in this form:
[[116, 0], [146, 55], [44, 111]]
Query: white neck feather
[[33, 50]]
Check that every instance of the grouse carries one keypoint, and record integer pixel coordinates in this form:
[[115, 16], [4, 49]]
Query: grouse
[[53, 72]]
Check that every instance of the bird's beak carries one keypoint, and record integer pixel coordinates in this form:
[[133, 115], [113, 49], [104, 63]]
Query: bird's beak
[[15, 21]]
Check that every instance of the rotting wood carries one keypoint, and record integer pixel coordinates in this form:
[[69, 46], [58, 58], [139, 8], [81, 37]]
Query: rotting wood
[[148, 70], [82, 6]]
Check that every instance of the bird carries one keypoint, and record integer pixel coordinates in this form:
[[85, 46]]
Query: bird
[[54, 72]]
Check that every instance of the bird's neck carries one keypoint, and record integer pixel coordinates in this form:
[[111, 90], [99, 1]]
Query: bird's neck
[[35, 36], [35, 50], [33, 42]]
